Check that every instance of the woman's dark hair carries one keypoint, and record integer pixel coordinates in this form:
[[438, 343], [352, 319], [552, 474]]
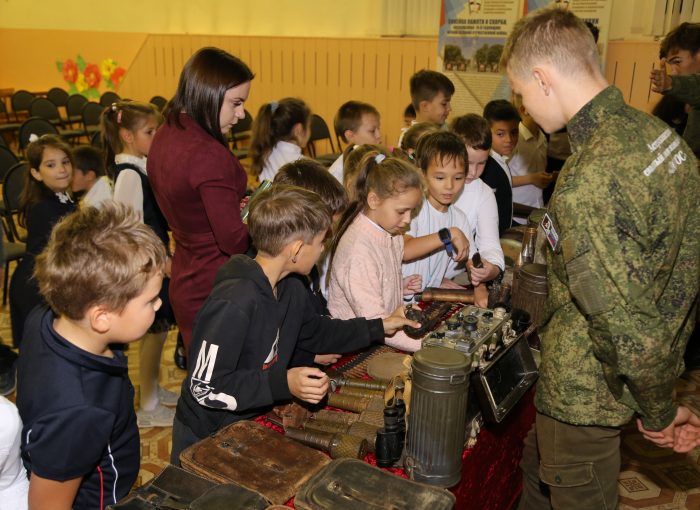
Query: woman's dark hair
[[275, 122], [204, 80], [34, 190]]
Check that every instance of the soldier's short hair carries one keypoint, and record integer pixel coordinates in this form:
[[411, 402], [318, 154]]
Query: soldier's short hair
[[685, 36], [551, 35], [283, 214]]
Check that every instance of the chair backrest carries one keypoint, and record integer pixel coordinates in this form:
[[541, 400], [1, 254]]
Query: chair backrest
[[159, 101], [34, 126], [42, 107], [91, 113], [57, 96], [21, 100], [74, 104], [7, 161], [3, 143], [108, 98], [12, 187], [319, 131]]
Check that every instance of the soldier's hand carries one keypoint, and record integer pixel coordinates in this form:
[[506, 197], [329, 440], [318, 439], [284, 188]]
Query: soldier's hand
[[660, 80], [682, 434], [542, 179]]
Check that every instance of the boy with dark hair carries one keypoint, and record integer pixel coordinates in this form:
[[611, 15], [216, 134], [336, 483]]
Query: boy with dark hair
[[431, 93], [622, 289], [246, 332], [477, 199], [356, 123], [503, 120], [90, 176], [680, 49], [428, 250], [100, 274]]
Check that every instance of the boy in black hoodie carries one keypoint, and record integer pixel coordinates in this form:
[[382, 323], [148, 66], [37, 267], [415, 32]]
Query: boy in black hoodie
[[249, 326]]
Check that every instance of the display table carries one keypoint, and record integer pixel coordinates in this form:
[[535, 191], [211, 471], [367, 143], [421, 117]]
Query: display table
[[491, 478]]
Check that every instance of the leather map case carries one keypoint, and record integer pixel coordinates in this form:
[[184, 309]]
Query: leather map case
[[255, 457], [351, 484], [176, 489]]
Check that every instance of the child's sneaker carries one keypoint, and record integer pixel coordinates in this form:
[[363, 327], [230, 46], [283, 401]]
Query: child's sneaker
[[161, 416], [167, 397]]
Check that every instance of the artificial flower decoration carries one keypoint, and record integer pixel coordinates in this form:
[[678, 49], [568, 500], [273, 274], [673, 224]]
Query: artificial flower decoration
[[85, 78]]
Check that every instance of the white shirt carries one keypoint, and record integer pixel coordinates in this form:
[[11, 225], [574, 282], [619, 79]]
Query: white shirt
[[281, 154], [530, 157], [14, 485], [100, 191], [336, 169], [437, 265], [479, 204], [127, 189]]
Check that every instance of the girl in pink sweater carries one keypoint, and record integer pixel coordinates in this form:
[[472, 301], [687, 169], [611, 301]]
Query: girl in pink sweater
[[365, 274]]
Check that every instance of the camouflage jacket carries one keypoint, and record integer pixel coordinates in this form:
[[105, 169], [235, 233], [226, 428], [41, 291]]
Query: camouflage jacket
[[687, 89], [623, 280]]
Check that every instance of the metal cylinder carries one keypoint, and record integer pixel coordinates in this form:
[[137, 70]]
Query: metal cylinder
[[337, 445], [448, 295], [531, 291], [348, 402], [437, 419]]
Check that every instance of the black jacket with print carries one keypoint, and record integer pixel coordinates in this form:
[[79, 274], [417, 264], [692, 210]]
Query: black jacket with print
[[243, 340]]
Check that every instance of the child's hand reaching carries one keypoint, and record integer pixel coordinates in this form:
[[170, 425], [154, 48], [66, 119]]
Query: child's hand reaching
[[412, 284], [398, 320], [307, 383], [460, 243]]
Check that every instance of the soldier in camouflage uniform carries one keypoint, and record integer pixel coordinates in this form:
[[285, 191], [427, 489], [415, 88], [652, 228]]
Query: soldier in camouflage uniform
[[624, 233]]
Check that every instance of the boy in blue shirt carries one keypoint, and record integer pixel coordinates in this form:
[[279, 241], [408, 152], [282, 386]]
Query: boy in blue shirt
[[255, 317], [100, 275]]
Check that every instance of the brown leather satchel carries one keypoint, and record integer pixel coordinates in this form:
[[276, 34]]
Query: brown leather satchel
[[255, 457], [351, 484], [176, 489]]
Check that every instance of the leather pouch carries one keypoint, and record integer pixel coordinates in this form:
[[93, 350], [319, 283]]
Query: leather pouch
[[176, 489], [351, 484], [251, 455]]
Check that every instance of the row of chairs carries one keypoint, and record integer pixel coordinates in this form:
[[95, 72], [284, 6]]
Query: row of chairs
[[15, 248]]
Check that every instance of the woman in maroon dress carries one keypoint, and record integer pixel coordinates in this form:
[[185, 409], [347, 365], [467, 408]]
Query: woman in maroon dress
[[197, 182]]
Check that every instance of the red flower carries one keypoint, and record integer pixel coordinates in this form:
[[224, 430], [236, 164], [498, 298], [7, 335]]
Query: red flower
[[117, 75], [70, 71], [92, 76]]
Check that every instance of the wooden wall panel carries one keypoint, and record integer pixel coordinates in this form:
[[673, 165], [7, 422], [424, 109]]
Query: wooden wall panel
[[323, 72], [628, 65]]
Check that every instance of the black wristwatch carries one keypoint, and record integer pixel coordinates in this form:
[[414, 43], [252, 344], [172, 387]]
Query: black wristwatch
[[446, 239]]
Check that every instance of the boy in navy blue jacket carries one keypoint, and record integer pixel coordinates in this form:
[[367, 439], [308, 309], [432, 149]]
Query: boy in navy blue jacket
[[100, 274], [248, 328]]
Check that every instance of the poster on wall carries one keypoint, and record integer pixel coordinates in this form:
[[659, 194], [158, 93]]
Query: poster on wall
[[472, 35]]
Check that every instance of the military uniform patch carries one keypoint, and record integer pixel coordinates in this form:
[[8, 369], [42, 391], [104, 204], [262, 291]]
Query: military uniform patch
[[550, 231]]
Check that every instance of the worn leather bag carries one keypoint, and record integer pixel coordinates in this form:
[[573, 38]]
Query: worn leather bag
[[176, 489], [255, 457], [351, 484]]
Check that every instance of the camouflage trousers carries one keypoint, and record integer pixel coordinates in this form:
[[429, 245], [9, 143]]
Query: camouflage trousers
[[570, 467]]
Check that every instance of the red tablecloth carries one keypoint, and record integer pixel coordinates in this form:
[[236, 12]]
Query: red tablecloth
[[491, 478]]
